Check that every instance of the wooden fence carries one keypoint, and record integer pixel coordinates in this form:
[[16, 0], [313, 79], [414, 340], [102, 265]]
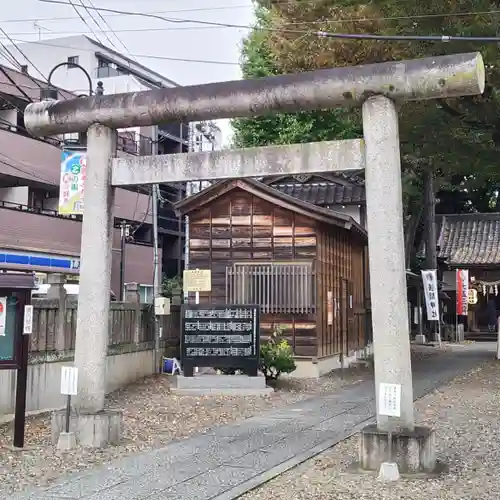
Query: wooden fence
[[54, 327]]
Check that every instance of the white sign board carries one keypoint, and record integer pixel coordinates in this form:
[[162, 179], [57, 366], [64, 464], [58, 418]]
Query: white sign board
[[429, 278], [28, 320], [3, 315], [69, 381], [389, 400]]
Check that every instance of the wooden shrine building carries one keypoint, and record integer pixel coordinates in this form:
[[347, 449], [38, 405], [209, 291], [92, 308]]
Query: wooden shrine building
[[305, 265], [471, 241]]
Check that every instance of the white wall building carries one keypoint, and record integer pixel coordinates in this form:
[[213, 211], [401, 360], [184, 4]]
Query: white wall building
[[117, 72]]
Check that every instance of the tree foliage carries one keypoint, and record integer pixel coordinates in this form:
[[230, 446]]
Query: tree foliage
[[458, 138], [259, 61]]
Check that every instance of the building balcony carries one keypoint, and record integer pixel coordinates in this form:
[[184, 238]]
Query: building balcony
[[41, 240], [27, 160]]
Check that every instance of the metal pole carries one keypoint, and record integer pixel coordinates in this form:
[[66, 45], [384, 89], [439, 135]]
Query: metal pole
[[68, 413], [123, 228], [22, 375], [156, 262]]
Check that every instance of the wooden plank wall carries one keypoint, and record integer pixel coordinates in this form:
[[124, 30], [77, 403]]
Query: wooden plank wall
[[239, 227], [341, 270]]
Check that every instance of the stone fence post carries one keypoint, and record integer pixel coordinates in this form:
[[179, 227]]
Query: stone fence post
[[57, 292], [132, 297]]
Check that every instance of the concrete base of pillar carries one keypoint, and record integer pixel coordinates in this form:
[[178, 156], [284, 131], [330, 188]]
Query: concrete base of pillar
[[95, 430], [66, 441], [220, 385], [414, 452], [420, 339]]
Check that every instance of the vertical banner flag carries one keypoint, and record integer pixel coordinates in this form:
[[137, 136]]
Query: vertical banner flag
[[71, 189], [429, 278], [462, 292]]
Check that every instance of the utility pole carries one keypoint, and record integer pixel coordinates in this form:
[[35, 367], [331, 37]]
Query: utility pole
[[124, 236], [156, 261], [430, 238]]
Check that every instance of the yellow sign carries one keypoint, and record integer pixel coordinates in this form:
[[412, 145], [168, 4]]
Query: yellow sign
[[197, 280], [472, 299]]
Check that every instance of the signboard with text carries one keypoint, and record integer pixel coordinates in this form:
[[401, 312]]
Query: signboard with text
[[197, 280], [72, 183], [225, 336]]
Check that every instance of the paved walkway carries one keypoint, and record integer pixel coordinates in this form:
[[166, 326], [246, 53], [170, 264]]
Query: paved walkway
[[222, 463]]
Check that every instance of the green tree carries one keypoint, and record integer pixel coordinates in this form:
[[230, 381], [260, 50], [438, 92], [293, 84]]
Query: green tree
[[259, 61], [456, 139], [457, 136]]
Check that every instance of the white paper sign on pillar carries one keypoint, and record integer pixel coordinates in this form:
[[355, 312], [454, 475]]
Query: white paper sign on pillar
[[69, 381], [429, 278], [28, 320], [389, 400]]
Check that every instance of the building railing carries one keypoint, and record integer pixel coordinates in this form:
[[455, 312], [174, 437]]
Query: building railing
[[55, 214], [276, 288], [135, 144], [37, 210], [10, 127]]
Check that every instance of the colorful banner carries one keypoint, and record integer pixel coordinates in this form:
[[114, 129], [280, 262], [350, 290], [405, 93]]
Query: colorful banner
[[462, 292], [429, 279], [71, 189]]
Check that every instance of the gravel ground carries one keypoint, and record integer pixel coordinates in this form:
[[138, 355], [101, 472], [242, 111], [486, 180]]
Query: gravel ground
[[151, 418], [465, 415]]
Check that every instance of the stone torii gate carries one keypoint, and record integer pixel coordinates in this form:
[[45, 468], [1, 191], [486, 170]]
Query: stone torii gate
[[377, 88]]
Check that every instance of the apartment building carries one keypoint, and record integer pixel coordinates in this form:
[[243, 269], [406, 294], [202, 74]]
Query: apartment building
[[33, 235], [78, 64]]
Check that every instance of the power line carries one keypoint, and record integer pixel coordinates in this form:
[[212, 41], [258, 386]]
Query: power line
[[125, 30], [145, 56], [8, 55], [87, 9], [111, 29], [26, 58], [84, 21], [321, 34], [15, 85], [69, 18], [231, 7]]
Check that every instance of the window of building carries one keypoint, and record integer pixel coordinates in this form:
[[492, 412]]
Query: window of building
[[146, 294], [275, 287], [102, 63], [73, 61]]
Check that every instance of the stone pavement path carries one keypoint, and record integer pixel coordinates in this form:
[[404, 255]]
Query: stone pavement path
[[222, 463]]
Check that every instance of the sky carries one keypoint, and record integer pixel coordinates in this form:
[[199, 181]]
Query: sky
[[31, 20]]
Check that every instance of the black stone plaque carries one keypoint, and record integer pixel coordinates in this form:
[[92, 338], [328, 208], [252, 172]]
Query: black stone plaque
[[220, 337]]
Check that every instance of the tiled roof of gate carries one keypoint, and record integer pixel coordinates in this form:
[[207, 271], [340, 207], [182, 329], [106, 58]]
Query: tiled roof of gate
[[324, 193], [469, 239]]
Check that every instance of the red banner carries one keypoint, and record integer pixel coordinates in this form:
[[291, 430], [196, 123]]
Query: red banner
[[462, 292]]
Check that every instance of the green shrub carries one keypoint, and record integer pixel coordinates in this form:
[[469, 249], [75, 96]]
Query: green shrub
[[276, 356]]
